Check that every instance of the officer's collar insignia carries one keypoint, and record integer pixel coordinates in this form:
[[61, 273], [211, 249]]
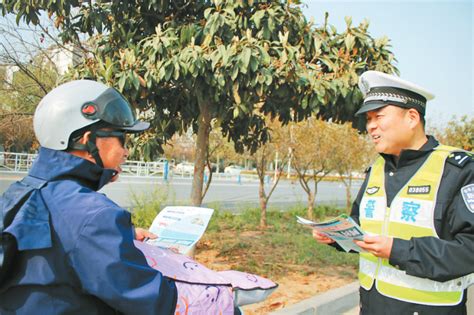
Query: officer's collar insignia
[[372, 190], [467, 193], [419, 190]]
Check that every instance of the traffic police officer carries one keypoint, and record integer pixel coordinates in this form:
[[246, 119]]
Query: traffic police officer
[[416, 205], [64, 247]]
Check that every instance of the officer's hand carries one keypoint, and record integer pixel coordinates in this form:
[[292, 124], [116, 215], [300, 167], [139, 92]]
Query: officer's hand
[[378, 245], [321, 238], [141, 234]]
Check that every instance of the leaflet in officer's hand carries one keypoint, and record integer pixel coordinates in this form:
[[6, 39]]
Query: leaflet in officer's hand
[[343, 229], [179, 228]]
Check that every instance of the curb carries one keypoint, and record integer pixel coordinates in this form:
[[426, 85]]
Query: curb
[[334, 301], [340, 300]]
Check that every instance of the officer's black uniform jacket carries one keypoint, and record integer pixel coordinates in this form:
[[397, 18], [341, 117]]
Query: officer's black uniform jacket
[[452, 255]]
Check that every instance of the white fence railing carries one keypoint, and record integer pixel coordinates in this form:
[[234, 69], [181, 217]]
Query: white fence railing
[[21, 163], [16, 162], [141, 168]]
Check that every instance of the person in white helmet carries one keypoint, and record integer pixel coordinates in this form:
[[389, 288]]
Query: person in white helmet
[[64, 247], [416, 205]]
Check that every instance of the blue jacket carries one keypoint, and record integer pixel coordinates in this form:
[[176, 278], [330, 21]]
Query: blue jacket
[[76, 252]]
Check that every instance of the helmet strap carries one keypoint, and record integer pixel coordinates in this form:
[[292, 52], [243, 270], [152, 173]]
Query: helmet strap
[[93, 150], [90, 147]]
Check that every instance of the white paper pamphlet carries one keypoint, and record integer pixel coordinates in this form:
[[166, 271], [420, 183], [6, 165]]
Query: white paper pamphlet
[[343, 229], [180, 227]]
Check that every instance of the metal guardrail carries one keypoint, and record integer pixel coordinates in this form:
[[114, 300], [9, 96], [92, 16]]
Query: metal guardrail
[[22, 162], [16, 162], [145, 169]]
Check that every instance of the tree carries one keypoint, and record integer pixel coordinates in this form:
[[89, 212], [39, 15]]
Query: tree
[[27, 74], [262, 157], [184, 63], [353, 154], [313, 148], [16, 132], [221, 150], [458, 133]]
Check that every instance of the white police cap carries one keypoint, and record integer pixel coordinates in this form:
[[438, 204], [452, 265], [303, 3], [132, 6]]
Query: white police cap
[[381, 89]]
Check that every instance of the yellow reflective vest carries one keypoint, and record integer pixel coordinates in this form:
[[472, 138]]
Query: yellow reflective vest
[[409, 215]]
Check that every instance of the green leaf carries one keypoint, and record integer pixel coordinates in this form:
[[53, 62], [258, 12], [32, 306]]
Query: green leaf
[[109, 70], [266, 32], [176, 71], [169, 71], [264, 56], [257, 17], [304, 102], [225, 55], [236, 112], [161, 73], [328, 63], [253, 63], [268, 78], [193, 71], [213, 24], [349, 42], [215, 58], [348, 20], [135, 80], [245, 57], [185, 35], [121, 83], [207, 12], [271, 24], [235, 92], [220, 80], [18, 17], [344, 91], [235, 72]]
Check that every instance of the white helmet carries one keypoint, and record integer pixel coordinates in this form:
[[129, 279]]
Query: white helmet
[[78, 104]]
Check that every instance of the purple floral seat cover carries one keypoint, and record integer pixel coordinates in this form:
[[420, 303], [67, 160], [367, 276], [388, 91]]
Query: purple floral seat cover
[[202, 290]]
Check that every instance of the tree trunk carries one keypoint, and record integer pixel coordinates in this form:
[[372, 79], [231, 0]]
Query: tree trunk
[[311, 197], [202, 143], [263, 204], [348, 195], [263, 214], [209, 179]]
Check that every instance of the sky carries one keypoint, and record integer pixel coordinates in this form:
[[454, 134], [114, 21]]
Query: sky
[[432, 40]]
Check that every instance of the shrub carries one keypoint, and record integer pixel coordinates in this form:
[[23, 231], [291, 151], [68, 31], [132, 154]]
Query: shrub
[[145, 206]]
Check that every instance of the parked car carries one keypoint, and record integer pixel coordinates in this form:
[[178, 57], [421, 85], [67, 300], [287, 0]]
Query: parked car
[[184, 168], [233, 169]]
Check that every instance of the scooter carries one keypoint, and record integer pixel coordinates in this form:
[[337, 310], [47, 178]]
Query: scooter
[[205, 291]]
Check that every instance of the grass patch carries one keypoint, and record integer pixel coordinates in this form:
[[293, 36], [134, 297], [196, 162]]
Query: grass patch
[[145, 206], [284, 246]]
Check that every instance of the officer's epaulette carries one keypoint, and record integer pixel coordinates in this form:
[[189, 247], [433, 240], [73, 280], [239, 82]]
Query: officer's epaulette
[[460, 158]]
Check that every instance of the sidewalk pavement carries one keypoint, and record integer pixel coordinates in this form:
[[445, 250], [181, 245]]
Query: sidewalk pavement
[[344, 300]]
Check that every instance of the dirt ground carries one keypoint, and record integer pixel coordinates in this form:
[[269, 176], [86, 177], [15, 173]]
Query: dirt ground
[[292, 288]]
